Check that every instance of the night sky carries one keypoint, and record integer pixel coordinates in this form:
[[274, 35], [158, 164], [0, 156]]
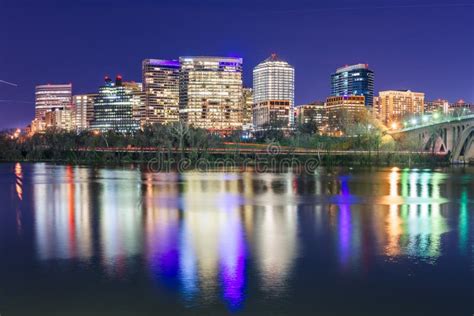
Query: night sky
[[422, 45]]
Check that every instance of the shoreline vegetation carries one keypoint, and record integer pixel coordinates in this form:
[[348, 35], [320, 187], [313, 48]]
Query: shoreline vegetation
[[172, 145]]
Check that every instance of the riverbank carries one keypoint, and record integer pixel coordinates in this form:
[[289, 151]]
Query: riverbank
[[208, 160]]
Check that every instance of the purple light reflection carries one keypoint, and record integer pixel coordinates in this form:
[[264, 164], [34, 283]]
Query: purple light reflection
[[232, 262], [344, 233], [163, 247], [344, 223]]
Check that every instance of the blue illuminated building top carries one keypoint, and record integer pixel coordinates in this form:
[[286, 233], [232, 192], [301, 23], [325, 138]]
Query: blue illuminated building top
[[354, 80]]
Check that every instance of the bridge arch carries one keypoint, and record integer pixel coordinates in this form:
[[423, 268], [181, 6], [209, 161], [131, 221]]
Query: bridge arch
[[463, 151]]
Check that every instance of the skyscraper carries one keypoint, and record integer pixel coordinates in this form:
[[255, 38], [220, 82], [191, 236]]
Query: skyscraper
[[113, 108], [274, 93], [354, 80], [50, 97], [161, 87], [210, 92]]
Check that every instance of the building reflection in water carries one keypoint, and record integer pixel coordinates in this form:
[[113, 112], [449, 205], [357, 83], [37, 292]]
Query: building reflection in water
[[162, 225], [464, 222], [410, 212], [198, 232], [19, 181], [62, 213], [212, 221], [120, 218], [275, 230], [19, 193], [415, 224]]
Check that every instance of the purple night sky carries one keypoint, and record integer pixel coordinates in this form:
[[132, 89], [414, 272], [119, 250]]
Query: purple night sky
[[422, 45]]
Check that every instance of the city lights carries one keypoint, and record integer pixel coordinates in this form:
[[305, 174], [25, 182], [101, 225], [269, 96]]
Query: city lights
[[208, 93], [210, 157]]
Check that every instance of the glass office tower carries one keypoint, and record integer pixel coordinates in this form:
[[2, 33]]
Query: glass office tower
[[354, 80], [113, 108], [210, 93]]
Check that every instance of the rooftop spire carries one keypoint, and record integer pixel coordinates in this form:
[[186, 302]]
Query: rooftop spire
[[273, 57]]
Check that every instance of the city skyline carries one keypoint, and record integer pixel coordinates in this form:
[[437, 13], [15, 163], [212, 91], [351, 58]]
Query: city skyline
[[306, 39]]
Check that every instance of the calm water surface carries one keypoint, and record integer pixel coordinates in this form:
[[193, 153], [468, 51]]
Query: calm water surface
[[123, 241]]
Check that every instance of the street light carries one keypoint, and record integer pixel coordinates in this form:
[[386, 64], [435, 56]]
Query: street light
[[98, 133]]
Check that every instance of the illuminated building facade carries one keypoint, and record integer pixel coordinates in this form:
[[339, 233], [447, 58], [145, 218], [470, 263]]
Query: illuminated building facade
[[397, 104], [161, 87], [461, 106], [52, 96], [439, 105], [113, 108], [376, 110], [342, 112], [210, 93], [354, 80], [83, 105], [139, 99], [247, 105], [274, 93], [312, 112], [60, 118], [37, 126], [271, 114]]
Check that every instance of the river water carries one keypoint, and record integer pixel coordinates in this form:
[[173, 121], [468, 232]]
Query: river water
[[78, 240]]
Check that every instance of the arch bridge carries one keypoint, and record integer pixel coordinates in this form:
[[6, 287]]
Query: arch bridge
[[453, 135]]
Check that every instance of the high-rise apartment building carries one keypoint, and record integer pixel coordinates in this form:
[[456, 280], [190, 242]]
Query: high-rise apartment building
[[161, 87], [274, 93], [395, 105], [113, 108], [210, 92], [354, 80], [52, 96], [83, 105]]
